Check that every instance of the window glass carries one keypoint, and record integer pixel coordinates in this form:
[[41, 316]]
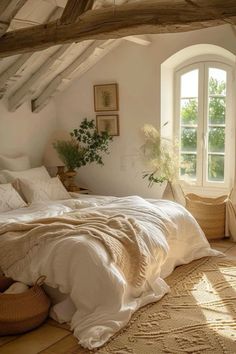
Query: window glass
[[203, 123], [188, 123], [188, 165], [217, 82], [216, 168]]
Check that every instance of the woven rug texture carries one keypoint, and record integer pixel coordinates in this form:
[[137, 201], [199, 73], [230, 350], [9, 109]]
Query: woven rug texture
[[198, 316]]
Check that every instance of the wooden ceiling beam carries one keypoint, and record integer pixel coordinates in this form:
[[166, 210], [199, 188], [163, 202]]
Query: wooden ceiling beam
[[129, 19], [74, 9], [8, 10], [43, 98]]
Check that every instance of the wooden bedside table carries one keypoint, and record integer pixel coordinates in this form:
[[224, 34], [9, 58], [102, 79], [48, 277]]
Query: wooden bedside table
[[83, 191], [79, 190]]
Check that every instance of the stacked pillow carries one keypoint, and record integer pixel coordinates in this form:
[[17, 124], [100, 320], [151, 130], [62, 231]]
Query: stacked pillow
[[10, 198], [2, 178], [43, 190], [37, 173], [14, 164], [28, 185]]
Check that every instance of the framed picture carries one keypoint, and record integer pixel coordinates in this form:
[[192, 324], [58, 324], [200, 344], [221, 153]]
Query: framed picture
[[106, 97], [108, 123]]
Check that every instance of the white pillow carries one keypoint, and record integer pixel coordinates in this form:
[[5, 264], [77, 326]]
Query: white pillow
[[9, 198], [37, 173], [2, 178], [38, 191], [14, 164]]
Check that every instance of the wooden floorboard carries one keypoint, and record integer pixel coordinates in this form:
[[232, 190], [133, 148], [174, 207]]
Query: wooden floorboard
[[68, 345], [35, 341], [7, 339], [53, 338]]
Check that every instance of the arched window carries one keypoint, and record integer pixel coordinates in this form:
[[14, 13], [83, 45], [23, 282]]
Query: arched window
[[203, 123]]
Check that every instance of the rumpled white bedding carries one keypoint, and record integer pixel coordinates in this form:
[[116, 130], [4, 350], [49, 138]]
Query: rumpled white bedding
[[99, 298]]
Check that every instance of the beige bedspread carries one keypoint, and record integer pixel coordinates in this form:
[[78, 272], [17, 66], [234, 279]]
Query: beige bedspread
[[121, 236]]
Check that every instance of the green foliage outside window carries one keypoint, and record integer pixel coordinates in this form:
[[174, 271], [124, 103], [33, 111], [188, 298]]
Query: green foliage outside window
[[216, 134], [189, 111]]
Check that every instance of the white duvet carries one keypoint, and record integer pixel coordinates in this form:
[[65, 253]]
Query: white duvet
[[99, 300]]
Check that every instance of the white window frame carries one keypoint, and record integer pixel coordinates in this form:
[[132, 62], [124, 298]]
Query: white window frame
[[201, 173]]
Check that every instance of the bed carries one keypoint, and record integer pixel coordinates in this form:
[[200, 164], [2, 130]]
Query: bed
[[97, 284]]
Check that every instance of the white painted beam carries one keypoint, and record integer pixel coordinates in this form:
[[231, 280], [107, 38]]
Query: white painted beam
[[8, 9], [141, 40], [92, 60], [14, 68], [233, 29], [11, 71], [43, 98], [18, 97], [74, 9]]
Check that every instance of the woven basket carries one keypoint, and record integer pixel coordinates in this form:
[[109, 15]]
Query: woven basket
[[5, 283], [20, 313], [209, 213]]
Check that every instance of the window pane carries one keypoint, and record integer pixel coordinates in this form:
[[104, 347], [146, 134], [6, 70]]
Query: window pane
[[189, 84], [189, 111], [216, 168], [189, 117], [217, 81], [189, 139], [216, 110], [188, 165], [216, 139]]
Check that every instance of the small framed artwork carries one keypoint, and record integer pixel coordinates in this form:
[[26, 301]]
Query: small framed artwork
[[108, 123], [106, 97]]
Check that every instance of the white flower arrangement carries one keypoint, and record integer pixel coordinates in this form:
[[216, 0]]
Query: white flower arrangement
[[160, 155]]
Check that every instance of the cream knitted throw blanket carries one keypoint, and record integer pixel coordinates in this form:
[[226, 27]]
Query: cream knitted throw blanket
[[121, 236]]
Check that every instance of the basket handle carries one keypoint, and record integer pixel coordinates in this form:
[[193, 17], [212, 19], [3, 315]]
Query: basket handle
[[40, 280]]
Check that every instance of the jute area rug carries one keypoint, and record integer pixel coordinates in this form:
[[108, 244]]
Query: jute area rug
[[198, 316]]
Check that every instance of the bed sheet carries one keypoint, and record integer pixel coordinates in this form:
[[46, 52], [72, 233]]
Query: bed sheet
[[100, 301]]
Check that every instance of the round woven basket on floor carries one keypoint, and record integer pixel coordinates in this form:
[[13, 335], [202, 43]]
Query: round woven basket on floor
[[209, 213], [5, 283], [20, 313]]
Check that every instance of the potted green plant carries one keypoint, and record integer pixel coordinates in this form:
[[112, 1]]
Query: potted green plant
[[86, 146], [69, 152]]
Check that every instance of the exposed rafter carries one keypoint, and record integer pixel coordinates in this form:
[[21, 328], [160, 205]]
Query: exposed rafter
[[11, 71], [8, 9], [74, 9], [21, 61], [124, 20], [142, 40], [234, 30], [42, 99], [89, 63], [18, 97]]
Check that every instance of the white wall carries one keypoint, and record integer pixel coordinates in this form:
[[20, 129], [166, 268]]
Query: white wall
[[23, 132], [137, 70]]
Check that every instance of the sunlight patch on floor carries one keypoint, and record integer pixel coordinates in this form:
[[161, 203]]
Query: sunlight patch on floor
[[217, 300]]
